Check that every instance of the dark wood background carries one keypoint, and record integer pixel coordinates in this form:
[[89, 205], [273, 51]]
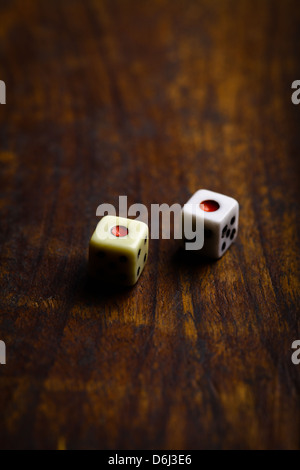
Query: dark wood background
[[153, 100]]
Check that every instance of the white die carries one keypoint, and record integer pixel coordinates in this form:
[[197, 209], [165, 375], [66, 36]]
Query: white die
[[221, 217]]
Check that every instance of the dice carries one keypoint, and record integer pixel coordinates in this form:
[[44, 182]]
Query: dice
[[221, 216], [118, 250]]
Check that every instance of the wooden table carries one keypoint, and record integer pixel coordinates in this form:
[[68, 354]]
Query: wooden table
[[152, 100]]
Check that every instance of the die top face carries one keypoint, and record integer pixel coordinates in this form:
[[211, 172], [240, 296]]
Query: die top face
[[120, 235], [213, 206]]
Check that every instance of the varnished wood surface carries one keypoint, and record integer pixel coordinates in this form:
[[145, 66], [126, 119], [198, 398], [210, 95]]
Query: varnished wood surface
[[152, 100]]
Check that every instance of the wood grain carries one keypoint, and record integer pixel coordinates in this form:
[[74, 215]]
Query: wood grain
[[152, 100]]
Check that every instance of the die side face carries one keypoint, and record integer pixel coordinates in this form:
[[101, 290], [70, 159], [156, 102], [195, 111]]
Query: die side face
[[228, 229], [118, 250], [221, 215], [220, 234]]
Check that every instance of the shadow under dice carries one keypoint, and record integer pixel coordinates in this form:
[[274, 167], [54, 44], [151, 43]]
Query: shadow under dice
[[118, 250], [221, 216]]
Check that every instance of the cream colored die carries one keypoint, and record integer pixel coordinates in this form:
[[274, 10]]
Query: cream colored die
[[118, 250]]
